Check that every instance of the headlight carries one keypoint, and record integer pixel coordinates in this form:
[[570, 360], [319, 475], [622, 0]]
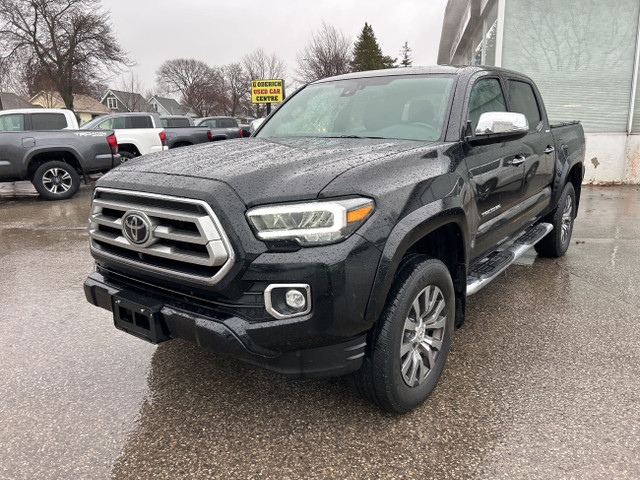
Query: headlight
[[312, 223]]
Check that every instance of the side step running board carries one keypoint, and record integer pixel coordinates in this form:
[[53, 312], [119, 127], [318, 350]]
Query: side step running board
[[497, 262]]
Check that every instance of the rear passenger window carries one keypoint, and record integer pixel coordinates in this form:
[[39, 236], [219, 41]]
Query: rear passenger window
[[12, 123], [139, 122], [227, 123], [48, 121], [486, 96], [175, 122], [523, 100]]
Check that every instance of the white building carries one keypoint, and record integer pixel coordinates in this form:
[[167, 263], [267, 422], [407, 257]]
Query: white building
[[583, 55]]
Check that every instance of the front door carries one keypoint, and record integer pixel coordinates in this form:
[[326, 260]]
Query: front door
[[496, 172]]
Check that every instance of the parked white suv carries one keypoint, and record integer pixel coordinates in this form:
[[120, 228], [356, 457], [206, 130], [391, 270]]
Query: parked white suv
[[137, 133], [19, 120]]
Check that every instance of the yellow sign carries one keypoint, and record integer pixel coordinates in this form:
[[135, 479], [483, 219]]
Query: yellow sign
[[267, 91]]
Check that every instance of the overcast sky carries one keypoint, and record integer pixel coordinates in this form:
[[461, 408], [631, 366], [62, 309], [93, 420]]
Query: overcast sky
[[221, 32]]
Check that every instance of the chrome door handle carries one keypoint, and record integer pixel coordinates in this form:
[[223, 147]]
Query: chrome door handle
[[549, 150], [517, 160]]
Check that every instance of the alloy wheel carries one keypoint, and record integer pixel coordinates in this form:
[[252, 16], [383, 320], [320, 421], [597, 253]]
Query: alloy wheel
[[423, 335]]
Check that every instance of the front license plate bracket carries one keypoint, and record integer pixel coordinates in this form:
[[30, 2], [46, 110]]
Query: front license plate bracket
[[139, 316]]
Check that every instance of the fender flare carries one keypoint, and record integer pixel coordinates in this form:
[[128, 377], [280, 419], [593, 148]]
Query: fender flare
[[562, 177], [49, 149], [406, 233]]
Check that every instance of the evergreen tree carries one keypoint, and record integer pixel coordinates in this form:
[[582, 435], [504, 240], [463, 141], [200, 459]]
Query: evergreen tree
[[367, 54], [405, 53]]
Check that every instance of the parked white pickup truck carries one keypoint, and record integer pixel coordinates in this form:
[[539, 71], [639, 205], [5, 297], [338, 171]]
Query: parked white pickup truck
[[19, 120], [137, 133]]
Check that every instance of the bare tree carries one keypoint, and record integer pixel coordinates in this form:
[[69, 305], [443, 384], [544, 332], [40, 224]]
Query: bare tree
[[66, 40], [327, 54], [199, 85], [238, 86], [260, 66], [9, 76], [132, 87]]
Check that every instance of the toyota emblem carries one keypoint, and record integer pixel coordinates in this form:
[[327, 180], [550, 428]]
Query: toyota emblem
[[136, 228]]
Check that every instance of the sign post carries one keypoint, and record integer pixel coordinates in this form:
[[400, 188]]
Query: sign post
[[267, 91]]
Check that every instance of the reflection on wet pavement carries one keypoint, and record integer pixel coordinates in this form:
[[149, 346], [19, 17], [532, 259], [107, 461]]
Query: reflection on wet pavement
[[542, 381]]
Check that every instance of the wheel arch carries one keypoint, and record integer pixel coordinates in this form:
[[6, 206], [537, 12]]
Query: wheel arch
[[575, 176], [62, 155], [129, 147], [442, 236]]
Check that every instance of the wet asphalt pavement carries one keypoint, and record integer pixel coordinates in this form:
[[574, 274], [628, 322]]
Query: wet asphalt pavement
[[543, 380]]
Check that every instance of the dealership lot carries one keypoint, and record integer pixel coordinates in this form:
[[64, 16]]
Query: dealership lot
[[542, 381]]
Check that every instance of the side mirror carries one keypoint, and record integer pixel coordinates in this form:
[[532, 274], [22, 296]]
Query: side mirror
[[494, 127]]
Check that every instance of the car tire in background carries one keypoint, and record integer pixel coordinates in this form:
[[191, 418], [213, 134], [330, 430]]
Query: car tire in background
[[56, 180]]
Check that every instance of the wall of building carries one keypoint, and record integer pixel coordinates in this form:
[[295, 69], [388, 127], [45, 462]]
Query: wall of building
[[583, 56]]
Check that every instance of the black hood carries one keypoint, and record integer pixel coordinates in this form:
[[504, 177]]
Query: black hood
[[264, 170]]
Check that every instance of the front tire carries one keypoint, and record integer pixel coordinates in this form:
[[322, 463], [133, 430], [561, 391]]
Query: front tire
[[56, 180], [556, 242], [412, 338]]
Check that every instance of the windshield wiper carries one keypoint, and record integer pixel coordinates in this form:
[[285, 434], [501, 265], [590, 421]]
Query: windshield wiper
[[352, 136]]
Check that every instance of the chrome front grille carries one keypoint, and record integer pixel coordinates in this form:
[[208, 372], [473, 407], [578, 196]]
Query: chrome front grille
[[185, 239]]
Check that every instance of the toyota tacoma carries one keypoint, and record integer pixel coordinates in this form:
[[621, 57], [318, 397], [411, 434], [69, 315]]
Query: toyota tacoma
[[343, 237]]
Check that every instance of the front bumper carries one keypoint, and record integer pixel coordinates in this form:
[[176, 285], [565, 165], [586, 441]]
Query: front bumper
[[154, 320]]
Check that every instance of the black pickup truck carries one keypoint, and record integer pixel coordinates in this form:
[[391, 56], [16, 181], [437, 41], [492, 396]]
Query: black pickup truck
[[344, 237], [55, 160]]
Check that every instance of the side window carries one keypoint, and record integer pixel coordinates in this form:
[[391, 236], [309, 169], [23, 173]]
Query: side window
[[48, 121], [227, 123], [112, 123], [486, 96], [12, 123], [139, 122], [106, 125], [523, 100]]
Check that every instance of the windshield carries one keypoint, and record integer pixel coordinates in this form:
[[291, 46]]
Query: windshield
[[406, 107]]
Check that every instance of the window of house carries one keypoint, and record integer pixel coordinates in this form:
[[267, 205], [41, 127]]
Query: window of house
[[112, 103], [477, 52], [523, 100], [486, 96], [48, 121], [490, 35]]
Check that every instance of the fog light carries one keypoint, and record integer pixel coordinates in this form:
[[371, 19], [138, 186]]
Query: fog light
[[286, 300], [295, 299]]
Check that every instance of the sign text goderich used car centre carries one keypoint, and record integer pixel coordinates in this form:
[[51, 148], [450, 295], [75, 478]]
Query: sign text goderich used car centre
[[267, 91]]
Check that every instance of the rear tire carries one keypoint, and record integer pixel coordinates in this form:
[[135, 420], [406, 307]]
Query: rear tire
[[556, 243], [56, 180], [126, 155], [411, 339]]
